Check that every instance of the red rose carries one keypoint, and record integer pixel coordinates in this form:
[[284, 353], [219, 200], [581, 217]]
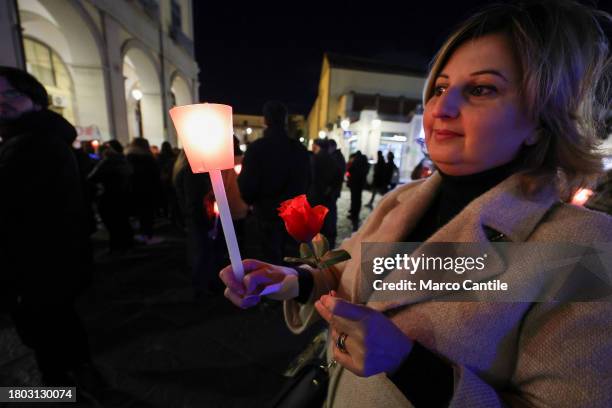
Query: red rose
[[301, 221]]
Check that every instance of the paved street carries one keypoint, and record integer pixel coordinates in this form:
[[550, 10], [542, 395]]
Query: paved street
[[160, 348]]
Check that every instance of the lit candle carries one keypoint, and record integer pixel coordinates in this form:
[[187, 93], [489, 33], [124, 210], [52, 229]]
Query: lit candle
[[206, 133]]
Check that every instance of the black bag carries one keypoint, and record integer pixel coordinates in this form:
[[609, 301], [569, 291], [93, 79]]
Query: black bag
[[308, 389], [309, 378]]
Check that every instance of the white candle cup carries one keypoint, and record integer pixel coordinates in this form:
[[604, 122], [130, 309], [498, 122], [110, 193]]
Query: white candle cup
[[206, 133]]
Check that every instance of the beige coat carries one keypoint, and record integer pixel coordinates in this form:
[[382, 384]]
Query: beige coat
[[516, 354]]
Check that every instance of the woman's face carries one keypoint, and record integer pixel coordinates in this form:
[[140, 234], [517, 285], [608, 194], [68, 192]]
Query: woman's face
[[475, 119]]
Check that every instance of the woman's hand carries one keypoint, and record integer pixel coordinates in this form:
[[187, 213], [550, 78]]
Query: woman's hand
[[260, 279], [372, 343]]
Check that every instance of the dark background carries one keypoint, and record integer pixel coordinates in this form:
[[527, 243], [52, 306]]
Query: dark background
[[247, 56]]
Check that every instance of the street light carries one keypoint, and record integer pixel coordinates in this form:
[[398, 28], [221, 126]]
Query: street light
[[345, 124], [249, 131], [137, 95], [322, 134]]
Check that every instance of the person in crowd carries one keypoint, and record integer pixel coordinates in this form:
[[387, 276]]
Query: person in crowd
[[422, 170], [146, 189], [114, 174], [380, 182], [45, 252], [87, 158], [165, 162], [154, 151], [337, 155], [326, 176], [274, 169], [205, 246], [391, 173], [514, 104], [357, 174]]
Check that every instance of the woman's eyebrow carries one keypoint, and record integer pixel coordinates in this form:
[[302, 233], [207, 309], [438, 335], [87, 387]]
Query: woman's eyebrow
[[481, 72], [490, 71]]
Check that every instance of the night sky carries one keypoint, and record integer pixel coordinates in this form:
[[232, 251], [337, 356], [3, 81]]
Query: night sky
[[248, 56]]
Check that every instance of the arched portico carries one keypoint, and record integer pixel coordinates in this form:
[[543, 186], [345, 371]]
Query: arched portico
[[143, 93]]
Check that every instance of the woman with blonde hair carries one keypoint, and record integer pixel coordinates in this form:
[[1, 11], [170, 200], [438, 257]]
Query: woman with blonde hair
[[514, 106]]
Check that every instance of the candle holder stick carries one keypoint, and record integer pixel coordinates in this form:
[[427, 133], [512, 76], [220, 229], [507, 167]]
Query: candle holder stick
[[226, 223]]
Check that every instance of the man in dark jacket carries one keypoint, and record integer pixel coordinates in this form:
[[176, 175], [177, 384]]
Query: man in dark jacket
[[114, 174], [326, 176], [275, 168], [45, 253], [358, 171]]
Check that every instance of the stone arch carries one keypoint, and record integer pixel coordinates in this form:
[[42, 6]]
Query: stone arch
[[180, 94], [180, 89], [67, 28], [141, 71]]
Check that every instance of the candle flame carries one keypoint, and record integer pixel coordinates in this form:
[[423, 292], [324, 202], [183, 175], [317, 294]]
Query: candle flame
[[216, 209]]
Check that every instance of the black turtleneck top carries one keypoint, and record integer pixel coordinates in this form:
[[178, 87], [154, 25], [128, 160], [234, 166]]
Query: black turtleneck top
[[454, 194]]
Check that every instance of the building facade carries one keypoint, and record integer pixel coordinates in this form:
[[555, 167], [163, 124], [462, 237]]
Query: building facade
[[113, 68], [369, 106]]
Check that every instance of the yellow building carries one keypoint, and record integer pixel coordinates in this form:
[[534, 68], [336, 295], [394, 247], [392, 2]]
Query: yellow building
[[368, 105]]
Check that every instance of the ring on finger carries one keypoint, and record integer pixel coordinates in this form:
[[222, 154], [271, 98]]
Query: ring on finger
[[341, 342]]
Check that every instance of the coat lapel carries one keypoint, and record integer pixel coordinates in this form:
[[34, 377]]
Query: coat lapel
[[504, 209]]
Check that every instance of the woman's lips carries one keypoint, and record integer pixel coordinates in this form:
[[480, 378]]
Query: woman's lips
[[444, 134]]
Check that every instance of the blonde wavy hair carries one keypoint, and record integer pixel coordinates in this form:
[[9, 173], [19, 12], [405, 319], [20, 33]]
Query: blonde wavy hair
[[565, 59]]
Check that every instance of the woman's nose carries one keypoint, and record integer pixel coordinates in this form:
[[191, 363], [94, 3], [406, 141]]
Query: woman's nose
[[447, 105]]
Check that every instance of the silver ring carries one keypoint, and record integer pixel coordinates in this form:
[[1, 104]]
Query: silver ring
[[341, 342]]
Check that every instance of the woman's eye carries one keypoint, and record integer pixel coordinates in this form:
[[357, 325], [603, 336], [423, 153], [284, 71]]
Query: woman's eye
[[482, 90], [439, 90]]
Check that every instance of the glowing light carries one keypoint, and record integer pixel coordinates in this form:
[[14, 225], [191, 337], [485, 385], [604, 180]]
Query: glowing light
[[322, 134], [376, 123], [238, 168], [582, 196], [399, 138], [345, 124], [249, 131], [95, 144], [243, 148], [216, 209], [302, 140], [206, 133], [137, 94]]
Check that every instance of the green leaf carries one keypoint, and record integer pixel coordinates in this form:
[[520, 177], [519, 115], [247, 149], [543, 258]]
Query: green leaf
[[334, 257], [320, 245], [306, 251]]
